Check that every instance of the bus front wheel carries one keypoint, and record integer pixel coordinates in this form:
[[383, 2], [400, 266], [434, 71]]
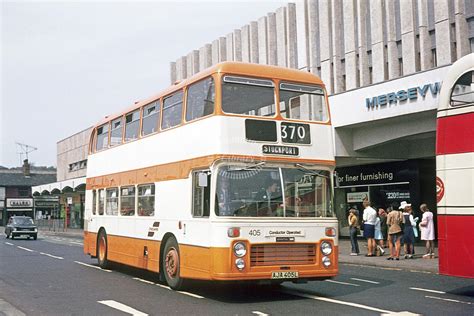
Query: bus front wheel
[[170, 264], [102, 250]]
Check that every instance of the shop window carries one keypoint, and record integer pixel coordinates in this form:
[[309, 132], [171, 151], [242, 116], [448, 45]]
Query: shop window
[[127, 201], [116, 132], [200, 99], [111, 205], [151, 116], [94, 202], [201, 193], [102, 141], [101, 201], [172, 110], [132, 125], [146, 200]]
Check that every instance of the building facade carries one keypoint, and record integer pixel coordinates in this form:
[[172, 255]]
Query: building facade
[[383, 63], [69, 189]]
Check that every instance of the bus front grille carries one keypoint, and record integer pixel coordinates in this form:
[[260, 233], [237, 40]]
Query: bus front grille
[[282, 254]]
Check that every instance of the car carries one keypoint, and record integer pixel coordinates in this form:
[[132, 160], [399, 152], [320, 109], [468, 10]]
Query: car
[[21, 226]]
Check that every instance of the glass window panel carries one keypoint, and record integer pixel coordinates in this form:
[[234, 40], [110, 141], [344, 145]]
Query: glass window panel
[[151, 116], [200, 99], [94, 202], [116, 132], [146, 200], [127, 201], [112, 202], [201, 195], [132, 124], [303, 102], [248, 96], [102, 137], [172, 110], [101, 201], [463, 90]]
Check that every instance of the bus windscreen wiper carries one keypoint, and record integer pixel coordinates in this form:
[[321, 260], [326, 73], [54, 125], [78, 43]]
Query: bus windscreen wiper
[[250, 167]]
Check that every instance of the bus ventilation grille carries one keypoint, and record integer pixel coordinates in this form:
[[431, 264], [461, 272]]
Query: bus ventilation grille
[[282, 254]]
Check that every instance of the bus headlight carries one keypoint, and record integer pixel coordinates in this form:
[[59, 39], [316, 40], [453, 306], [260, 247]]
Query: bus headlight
[[326, 248], [239, 249], [240, 263], [326, 261]]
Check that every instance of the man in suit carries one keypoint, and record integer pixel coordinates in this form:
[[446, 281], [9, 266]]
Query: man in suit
[[269, 198]]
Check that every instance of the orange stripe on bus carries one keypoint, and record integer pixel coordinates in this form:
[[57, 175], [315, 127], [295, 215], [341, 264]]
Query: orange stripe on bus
[[178, 170]]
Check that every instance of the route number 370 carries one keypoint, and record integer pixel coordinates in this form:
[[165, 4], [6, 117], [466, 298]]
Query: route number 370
[[295, 133], [255, 232]]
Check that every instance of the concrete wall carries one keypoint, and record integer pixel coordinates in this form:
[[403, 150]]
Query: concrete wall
[[72, 150], [348, 43]]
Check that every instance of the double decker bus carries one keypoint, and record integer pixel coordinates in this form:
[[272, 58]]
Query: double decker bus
[[225, 176], [455, 170]]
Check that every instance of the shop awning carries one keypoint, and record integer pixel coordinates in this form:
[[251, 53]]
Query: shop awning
[[60, 186]]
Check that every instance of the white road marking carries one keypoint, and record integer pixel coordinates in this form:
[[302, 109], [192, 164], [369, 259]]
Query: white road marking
[[330, 300], [122, 307], [259, 313], [49, 255], [27, 249], [163, 286], [144, 281], [9, 243], [366, 281], [76, 243], [91, 266], [427, 290], [448, 300], [343, 283], [191, 294]]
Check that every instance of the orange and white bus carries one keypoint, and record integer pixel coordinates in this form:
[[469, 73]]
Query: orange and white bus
[[455, 170], [224, 176]]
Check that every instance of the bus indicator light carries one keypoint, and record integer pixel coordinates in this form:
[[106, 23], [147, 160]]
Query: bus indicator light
[[233, 232], [330, 232]]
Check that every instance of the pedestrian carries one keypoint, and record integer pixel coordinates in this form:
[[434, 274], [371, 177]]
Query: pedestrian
[[369, 218], [353, 231], [383, 226], [378, 237], [408, 235], [427, 231], [394, 219]]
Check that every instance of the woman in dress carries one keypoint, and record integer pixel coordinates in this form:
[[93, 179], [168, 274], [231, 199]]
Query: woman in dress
[[379, 237], [427, 231]]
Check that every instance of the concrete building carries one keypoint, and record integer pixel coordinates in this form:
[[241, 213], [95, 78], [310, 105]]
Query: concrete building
[[70, 187], [368, 53]]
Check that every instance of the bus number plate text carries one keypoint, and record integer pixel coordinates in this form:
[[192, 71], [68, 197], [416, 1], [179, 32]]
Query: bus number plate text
[[285, 275], [295, 133]]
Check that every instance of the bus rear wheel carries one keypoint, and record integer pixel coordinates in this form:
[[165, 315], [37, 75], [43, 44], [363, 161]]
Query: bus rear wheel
[[102, 248], [170, 264]]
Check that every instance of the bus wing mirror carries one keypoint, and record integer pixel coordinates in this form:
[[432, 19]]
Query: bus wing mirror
[[202, 179]]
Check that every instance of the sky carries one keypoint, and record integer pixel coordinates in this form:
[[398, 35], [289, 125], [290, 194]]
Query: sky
[[67, 64]]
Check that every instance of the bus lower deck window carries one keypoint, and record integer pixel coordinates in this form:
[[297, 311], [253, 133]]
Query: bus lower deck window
[[146, 200]]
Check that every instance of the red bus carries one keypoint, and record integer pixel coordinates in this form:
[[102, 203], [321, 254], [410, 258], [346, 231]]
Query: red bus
[[455, 170]]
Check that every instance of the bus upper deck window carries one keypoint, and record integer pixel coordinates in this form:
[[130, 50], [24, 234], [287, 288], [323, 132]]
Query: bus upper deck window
[[172, 110], [132, 124], [151, 117], [102, 137], [303, 102], [200, 99], [116, 132], [463, 90], [248, 96]]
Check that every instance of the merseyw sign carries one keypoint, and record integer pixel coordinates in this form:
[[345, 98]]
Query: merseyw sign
[[403, 95]]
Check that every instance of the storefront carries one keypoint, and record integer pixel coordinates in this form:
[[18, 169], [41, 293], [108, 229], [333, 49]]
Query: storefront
[[19, 207], [385, 185], [46, 207]]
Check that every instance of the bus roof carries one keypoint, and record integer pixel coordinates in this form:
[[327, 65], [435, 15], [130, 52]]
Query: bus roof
[[237, 68]]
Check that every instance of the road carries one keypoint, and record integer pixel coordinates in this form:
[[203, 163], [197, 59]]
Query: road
[[52, 276]]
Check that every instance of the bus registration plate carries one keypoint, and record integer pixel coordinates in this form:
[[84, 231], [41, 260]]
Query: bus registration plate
[[285, 275]]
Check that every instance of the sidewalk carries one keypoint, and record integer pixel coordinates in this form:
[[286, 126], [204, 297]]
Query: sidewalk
[[417, 264], [76, 233]]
